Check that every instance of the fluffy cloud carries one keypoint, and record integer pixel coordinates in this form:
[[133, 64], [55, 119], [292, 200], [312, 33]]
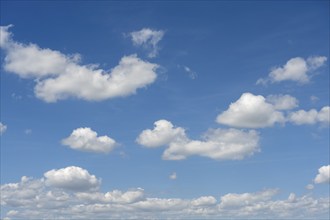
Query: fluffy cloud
[[311, 117], [162, 134], [282, 102], [72, 178], [324, 175], [35, 198], [3, 128], [252, 111], [59, 76], [85, 139], [148, 39], [246, 199], [219, 144], [296, 69]]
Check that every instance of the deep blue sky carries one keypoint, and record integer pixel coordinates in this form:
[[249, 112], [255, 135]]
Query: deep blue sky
[[228, 45]]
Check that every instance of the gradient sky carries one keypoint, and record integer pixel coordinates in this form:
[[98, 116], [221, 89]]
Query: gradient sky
[[179, 109]]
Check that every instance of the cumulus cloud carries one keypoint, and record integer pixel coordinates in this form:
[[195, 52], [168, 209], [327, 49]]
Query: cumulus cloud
[[282, 102], [59, 76], [252, 111], [245, 199], [311, 117], [324, 175], [33, 198], [219, 144], [296, 69], [148, 39], [3, 128], [163, 133], [72, 178], [173, 176], [85, 139]]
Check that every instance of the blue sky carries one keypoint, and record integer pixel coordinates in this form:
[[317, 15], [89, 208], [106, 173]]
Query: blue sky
[[175, 109]]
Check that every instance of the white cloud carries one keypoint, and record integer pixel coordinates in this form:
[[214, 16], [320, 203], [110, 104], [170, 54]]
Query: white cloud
[[148, 39], [310, 186], [282, 102], [324, 175], [219, 144], [59, 76], [296, 69], [192, 74], [162, 134], [251, 111], [3, 128], [173, 176], [72, 178], [245, 199], [85, 139], [311, 117], [35, 198]]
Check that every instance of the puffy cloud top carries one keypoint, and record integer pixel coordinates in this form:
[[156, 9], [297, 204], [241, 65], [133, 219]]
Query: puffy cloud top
[[220, 144], [72, 178], [311, 117], [296, 69], [60, 76], [85, 139], [3, 128], [162, 134], [251, 111], [324, 175]]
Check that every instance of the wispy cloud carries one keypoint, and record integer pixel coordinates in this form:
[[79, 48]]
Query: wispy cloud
[[148, 39]]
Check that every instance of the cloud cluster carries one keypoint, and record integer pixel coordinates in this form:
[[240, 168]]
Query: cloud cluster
[[219, 144], [324, 175], [148, 39], [256, 111], [59, 76], [296, 69], [74, 193], [85, 139], [3, 128]]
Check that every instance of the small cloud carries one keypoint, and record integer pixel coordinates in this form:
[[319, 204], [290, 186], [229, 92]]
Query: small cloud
[[148, 39], [173, 176], [3, 128], [323, 176], [28, 131], [192, 74], [85, 139], [310, 186], [311, 117], [296, 69], [314, 99], [253, 111]]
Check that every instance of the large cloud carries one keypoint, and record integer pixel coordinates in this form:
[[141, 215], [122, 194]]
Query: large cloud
[[85, 139], [324, 175], [72, 178], [219, 144], [148, 39], [59, 76], [296, 69], [3, 128], [251, 111], [36, 198]]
